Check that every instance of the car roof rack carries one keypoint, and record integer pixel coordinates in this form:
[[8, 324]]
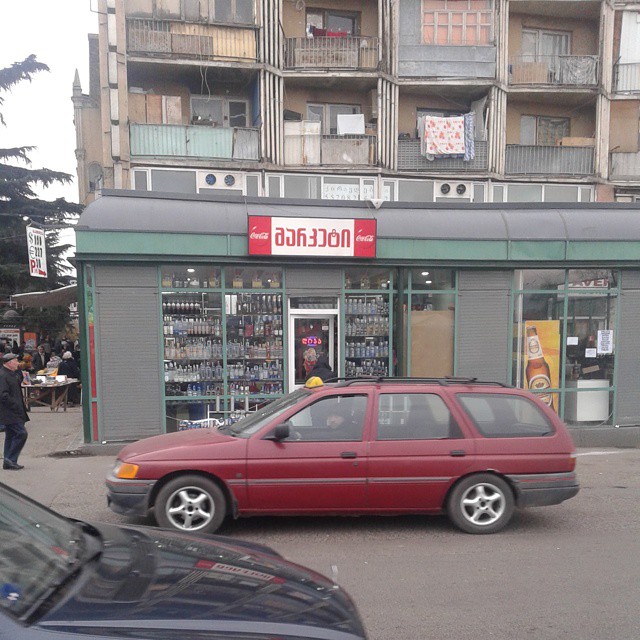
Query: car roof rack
[[444, 381]]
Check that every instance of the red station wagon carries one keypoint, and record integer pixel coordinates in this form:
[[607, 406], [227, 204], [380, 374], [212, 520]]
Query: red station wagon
[[474, 450]]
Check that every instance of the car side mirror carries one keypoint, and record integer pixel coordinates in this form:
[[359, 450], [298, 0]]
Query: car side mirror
[[281, 432]]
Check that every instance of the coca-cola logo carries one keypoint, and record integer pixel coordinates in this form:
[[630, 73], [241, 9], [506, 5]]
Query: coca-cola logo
[[256, 235], [367, 238]]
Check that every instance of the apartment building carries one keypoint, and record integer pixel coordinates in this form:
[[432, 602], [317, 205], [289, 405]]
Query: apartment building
[[324, 99]]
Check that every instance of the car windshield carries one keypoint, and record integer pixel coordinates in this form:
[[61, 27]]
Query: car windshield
[[254, 422], [39, 550]]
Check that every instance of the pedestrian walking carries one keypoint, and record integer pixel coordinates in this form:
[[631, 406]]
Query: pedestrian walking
[[13, 413]]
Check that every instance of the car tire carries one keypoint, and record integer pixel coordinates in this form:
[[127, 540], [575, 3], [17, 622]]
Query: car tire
[[190, 504], [482, 503]]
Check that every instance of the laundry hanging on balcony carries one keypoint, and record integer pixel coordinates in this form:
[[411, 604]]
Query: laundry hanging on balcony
[[447, 137]]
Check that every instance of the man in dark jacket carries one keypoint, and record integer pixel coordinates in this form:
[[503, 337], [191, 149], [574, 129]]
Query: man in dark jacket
[[13, 414], [322, 369]]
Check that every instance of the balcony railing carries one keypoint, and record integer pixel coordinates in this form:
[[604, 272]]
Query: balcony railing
[[627, 76], [316, 149], [195, 141], [556, 70], [187, 40], [324, 52], [539, 160], [625, 166], [410, 159]]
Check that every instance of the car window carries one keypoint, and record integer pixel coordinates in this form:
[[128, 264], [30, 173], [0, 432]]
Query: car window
[[337, 417], [415, 416], [505, 416]]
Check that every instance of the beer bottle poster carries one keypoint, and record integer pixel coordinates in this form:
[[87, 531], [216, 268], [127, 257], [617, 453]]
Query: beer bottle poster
[[542, 359]]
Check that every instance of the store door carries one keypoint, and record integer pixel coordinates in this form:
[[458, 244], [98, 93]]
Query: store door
[[312, 333]]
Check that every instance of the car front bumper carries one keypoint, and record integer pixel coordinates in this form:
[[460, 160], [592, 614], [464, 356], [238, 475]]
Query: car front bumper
[[543, 489], [129, 497]]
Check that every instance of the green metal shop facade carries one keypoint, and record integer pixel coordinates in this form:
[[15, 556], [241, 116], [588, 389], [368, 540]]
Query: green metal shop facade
[[181, 322]]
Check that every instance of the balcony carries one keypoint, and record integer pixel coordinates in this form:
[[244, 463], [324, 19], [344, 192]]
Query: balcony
[[164, 38], [196, 141], [323, 52], [410, 159], [549, 161], [566, 71], [304, 147], [625, 166], [627, 77]]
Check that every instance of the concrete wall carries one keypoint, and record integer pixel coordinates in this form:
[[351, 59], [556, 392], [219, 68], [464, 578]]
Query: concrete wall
[[408, 110], [295, 24], [624, 124], [583, 120]]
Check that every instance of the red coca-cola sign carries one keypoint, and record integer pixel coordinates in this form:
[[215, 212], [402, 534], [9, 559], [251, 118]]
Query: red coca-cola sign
[[326, 237]]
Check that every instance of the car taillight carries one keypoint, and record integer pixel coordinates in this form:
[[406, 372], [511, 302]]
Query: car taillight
[[574, 458]]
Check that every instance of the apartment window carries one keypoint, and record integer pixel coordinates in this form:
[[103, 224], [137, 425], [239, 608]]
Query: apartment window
[[327, 114], [321, 22], [457, 22], [543, 131], [235, 11], [541, 45], [219, 112]]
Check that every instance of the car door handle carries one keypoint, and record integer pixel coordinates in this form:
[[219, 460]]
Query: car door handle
[[457, 453], [348, 454]]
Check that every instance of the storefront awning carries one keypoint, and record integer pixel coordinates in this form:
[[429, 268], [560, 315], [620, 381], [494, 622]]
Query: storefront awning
[[57, 297], [128, 225]]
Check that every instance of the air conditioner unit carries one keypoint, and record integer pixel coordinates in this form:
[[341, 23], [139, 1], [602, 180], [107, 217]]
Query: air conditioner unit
[[453, 189], [220, 180]]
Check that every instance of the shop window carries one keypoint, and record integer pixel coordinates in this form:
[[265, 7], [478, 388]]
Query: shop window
[[190, 277], [431, 322], [253, 278], [524, 193], [431, 279], [564, 340], [415, 191], [367, 278], [457, 22]]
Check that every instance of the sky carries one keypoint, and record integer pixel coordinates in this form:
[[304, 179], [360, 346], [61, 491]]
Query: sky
[[40, 113]]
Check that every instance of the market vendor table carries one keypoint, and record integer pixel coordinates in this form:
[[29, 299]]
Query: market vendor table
[[52, 395]]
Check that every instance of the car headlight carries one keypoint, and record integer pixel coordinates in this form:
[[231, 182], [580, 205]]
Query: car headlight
[[125, 470]]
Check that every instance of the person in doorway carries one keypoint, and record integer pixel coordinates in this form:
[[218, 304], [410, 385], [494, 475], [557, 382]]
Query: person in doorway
[[69, 368], [13, 414], [322, 369]]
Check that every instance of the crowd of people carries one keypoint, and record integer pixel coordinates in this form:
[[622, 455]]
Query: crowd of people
[[51, 357]]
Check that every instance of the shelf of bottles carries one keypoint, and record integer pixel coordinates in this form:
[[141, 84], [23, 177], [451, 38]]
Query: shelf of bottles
[[223, 349], [255, 347], [367, 335]]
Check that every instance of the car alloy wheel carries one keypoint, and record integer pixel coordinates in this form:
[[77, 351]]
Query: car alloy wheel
[[481, 504], [190, 503]]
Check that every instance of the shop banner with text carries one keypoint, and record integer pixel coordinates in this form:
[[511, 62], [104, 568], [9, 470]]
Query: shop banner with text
[[37, 252], [542, 371], [314, 237]]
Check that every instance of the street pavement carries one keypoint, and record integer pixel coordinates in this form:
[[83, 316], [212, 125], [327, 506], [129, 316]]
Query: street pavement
[[564, 571]]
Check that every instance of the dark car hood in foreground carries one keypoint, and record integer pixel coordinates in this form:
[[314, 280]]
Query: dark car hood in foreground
[[178, 586]]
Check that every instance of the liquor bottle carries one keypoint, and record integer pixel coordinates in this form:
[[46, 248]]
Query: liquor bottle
[[537, 373]]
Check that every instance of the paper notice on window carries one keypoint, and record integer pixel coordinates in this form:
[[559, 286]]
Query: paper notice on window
[[572, 341], [590, 353], [605, 341]]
